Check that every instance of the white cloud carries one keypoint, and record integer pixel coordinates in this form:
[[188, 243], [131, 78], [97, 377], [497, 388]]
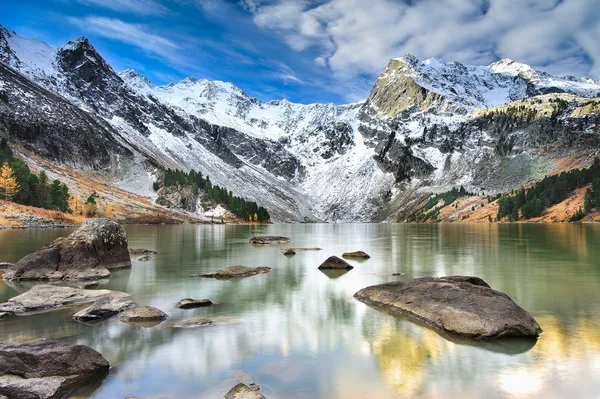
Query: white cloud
[[137, 7], [135, 34], [354, 37]]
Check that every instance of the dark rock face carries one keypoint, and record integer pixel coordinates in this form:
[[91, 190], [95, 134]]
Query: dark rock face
[[104, 308], [47, 369], [5, 265], [47, 297], [460, 305], [333, 262], [236, 271], [356, 254], [189, 303], [269, 240], [90, 252]]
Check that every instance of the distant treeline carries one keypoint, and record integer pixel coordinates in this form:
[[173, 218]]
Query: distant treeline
[[430, 211], [31, 189], [553, 190], [247, 210]]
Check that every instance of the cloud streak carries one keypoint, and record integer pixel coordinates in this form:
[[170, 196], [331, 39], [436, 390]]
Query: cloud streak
[[137, 7], [353, 37], [134, 34]]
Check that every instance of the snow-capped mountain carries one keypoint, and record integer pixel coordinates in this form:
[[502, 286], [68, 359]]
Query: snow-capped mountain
[[421, 129]]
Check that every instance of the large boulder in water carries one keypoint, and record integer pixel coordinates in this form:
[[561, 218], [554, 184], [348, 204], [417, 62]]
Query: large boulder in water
[[243, 391], [90, 252], [460, 305], [48, 297], [47, 369]]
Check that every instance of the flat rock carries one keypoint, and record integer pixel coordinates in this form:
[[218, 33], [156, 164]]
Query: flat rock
[[333, 262], [356, 255], [460, 305], [289, 251], [139, 251], [189, 303], [236, 271], [269, 240], [90, 252], [143, 314], [104, 308], [243, 391], [47, 369], [196, 322], [48, 297], [90, 285], [301, 249]]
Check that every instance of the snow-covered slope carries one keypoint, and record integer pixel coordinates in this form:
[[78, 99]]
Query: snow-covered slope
[[420, 129]]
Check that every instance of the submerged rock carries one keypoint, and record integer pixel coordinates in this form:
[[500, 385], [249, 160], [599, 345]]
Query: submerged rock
[[333, 262], [460, 305], [356, 254], [5, 314], [236, 271], [269, 240], [48, 297], [189, 303], [90, 252], [301, 249], [140, 251], [243, 391], [104, 308], [47, 369], [144, 258], [143, 314], [196, 322], [90, 285], [289, 251]]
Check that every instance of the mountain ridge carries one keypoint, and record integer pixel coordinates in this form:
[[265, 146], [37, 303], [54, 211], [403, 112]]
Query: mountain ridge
[[419, 131]]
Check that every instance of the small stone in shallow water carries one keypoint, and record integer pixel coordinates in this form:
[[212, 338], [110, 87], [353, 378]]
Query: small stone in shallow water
[[356, 254], [104, 308], [143, 314], [189, 303], [333, 262], [144, 258], [90, 285], [236, 271], [398, 274], [289, 251], [269, 240], [139, 251]]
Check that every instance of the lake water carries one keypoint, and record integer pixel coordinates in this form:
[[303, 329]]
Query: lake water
[[299, 332]]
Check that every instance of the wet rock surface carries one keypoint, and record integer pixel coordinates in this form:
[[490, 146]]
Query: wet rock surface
[[47, 369], [269, 240], [460, 305], [333, 262], [90, 252], [189, 303], [49, 297], [356, 255], [243, 391], [236, 271], [104, 308], [143, 314]]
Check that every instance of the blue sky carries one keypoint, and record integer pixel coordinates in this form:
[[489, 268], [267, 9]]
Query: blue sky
[[314, 50]]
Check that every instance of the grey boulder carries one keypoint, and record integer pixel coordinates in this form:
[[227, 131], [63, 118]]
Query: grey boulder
[[356, 255], [243, 391], [47, 369], [143, 314], [90, 252], [460, 305], [49, 297]]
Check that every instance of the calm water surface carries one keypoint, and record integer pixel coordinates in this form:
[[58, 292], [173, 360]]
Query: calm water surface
[[300, 334]]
